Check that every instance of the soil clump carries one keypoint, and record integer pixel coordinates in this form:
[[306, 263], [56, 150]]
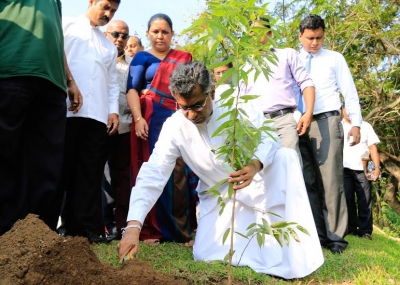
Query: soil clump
[[31, 254]]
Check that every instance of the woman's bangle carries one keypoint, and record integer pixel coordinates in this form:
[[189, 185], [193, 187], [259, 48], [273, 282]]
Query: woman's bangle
[[138, 119], [130, 227], [134, 108]]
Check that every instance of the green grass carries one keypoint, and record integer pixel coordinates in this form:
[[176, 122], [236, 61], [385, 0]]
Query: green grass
[[363, 262]]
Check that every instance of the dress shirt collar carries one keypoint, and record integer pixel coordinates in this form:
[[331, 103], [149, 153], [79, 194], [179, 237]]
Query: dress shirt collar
[[85, 20], [123, 58], [305, 53]]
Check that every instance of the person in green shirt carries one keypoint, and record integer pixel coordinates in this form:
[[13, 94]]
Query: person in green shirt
[[34, 83]]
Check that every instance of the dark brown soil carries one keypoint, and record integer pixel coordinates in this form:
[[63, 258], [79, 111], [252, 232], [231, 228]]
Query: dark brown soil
[[31, 254]]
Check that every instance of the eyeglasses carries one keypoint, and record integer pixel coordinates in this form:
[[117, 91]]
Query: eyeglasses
[[196, 107], [116, 35], [220, 73]]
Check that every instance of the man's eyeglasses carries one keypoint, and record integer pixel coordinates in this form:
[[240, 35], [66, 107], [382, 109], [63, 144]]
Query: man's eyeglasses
[[196, 107], [220, 73], [116, 35]]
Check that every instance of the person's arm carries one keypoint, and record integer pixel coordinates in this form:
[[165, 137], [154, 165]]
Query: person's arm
[[136, 77], [306, 85], [113, 94], [348, 89], [373, 149], [306, 118], [74, 95], [150, 182]]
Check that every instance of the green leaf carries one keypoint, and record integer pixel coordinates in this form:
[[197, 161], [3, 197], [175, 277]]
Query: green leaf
[[286, 237], [303, 230], [213, 192], [226, 234], [267, 226], [226, 94], [226, 258], [230, 190], [221, 210], [249, 97], [252, 232], [274, 214], [223, 181], [227, 124], [215, 262], [226, 114], [222, 63], [242, 235], [278, 237], [279, 225], [252, 225], [259, 240], [294, 234]]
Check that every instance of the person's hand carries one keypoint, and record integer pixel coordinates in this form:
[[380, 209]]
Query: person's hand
[[112, 125], [142, 129], [75, 97], [355, 133], [129, 243], [376, 172], [304, 123], [244, 176]]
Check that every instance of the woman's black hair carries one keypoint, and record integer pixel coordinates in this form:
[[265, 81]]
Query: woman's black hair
[[162, 16]]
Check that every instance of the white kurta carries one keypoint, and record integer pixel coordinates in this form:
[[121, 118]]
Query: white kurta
[[279, 188]]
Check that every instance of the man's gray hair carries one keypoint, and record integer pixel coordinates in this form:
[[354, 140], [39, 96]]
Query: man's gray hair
[[186, 76]]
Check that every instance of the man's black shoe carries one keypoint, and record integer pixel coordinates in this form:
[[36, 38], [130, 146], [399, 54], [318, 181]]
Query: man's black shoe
[[93, 238], [336, 249], [367, 236]]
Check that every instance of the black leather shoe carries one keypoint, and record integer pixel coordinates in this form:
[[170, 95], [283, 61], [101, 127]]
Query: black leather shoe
[[336, 249], [367, 236], [93, 238]]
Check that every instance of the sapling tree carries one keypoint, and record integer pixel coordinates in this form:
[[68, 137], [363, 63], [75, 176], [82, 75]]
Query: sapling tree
[[225, 28]]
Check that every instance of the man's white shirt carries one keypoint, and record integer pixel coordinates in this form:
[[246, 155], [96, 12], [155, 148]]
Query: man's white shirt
[[352, 155], [332, 77], [91, 59]]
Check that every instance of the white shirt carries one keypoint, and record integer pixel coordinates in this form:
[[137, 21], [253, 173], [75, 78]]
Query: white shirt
[[277, 91], [125, 115], [352, 155], [91, 58], [331, 75], [180, 137]]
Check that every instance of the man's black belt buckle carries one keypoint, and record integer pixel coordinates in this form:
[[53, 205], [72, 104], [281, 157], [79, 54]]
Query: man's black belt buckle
[[325, 115], [280, 112]]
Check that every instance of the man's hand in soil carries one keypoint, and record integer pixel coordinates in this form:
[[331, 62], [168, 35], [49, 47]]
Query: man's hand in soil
[[129, 244]]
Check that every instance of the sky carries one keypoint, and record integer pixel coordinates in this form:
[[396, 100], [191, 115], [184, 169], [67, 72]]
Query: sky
[[136, 13]]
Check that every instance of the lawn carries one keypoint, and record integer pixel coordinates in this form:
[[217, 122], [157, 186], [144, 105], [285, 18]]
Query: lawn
[[363, 262]]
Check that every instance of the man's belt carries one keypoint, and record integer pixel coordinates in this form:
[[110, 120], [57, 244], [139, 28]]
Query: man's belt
[[278, 113], [325, 115]]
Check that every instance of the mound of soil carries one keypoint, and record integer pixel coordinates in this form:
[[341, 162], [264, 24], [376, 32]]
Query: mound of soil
[[31, 254]]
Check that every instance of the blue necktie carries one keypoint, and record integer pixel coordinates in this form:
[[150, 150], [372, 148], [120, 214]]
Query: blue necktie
[[302, 105]]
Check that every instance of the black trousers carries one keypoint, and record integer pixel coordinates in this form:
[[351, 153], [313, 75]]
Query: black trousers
[[85, 150], [119, 161], [32, 129], [357, 185], [322, 153]]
